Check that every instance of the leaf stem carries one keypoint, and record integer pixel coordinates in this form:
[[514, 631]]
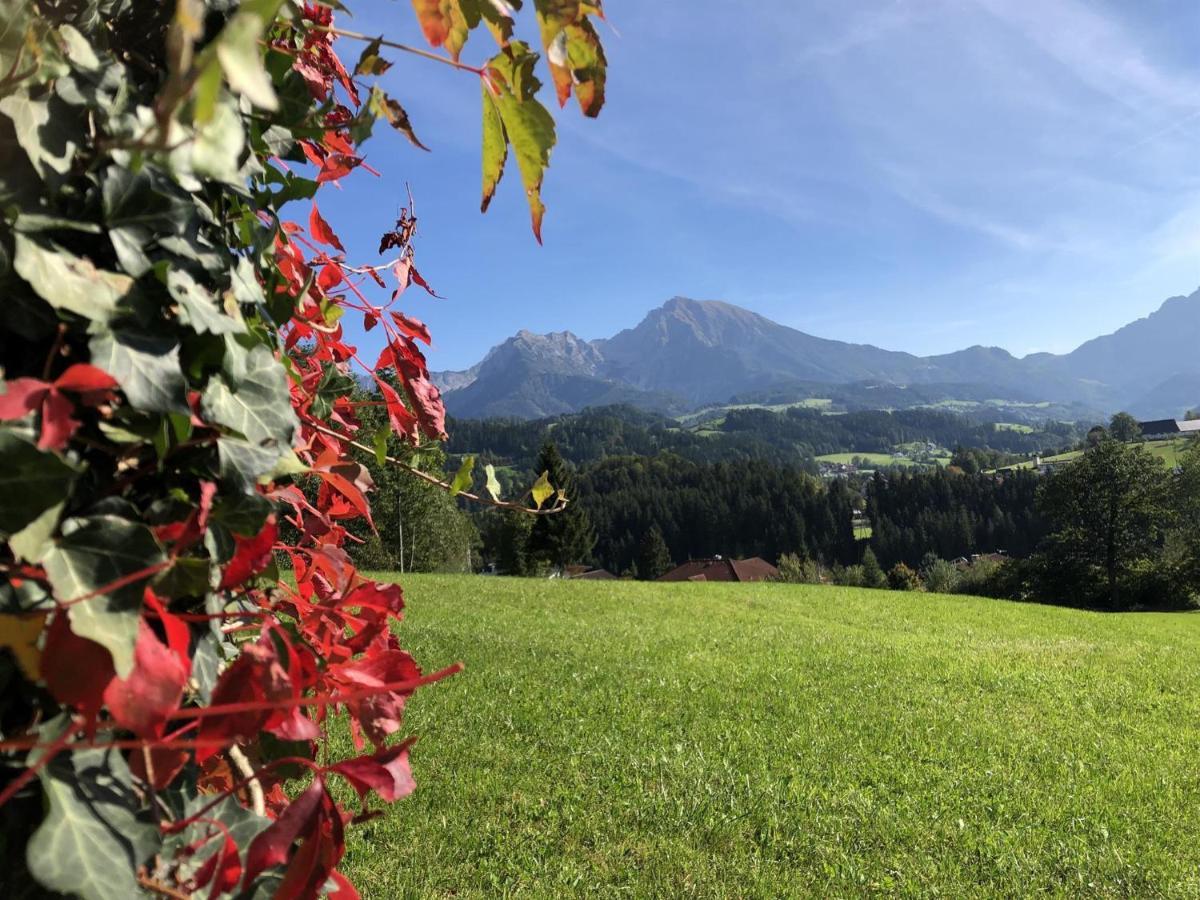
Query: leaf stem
[[384, 42]]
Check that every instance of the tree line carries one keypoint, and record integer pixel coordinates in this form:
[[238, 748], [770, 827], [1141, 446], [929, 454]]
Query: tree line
[[789, 437]]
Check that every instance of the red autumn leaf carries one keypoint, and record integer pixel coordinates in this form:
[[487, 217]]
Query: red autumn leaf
[[427, 403], [329, 277], [379, 714], [343, 889], [57, 422], [252, 555], [179, 636], [412, 327], [370, 320], [273, 846], [403, 422], [387, 773], [85, 379], [420, 281], [25, 395], [21, 396], [77, 671], [186, 533], [320, 230], [223, 869], [143, 701], [339, 478], [337, 165], [256, 676]]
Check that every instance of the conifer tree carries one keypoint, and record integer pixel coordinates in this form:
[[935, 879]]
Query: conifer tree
[[567, 538], [873, 576], [654, 557]]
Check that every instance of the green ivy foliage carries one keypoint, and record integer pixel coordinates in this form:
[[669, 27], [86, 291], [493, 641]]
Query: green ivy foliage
[[178, 415]]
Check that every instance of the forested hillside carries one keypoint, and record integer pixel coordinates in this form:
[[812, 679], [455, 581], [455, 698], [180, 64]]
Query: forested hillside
[[792, 436]]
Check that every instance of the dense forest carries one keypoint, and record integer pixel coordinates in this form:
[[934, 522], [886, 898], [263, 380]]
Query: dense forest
[[754, 508], [952, 515], [792, 436]]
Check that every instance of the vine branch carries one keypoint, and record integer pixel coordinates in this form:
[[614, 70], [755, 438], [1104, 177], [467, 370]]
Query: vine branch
[[384, 42], [559, 506]]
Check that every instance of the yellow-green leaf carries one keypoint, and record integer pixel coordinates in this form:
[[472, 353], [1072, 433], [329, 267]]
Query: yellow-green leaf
[[528, 125], [541, 490], [495, 147], [464, 477], [493, 484]]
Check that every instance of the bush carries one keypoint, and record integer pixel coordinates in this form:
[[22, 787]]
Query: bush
[[794, 569], [851, 576], [940, 576], [903, 578]]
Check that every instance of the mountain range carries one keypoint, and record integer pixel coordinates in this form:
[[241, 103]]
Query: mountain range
[[690, 354]]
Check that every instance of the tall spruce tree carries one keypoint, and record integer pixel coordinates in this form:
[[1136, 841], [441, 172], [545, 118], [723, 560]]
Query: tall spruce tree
[[873, 574], [567, 538], [654, 557]]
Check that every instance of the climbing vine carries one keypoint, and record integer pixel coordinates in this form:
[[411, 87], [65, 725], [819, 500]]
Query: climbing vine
[[179, 393]]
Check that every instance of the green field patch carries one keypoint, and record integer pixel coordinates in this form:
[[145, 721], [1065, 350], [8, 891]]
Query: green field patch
[[879, 460], [645, 740]]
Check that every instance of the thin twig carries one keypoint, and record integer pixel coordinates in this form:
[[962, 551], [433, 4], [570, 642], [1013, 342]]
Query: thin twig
[[162, 889], [558, 507], [384, 42], [242, 764]]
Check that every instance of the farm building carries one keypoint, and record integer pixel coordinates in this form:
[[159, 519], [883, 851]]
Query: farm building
[[720, 569], [1169, 428]]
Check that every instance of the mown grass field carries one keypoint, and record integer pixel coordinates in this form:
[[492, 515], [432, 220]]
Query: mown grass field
[[644, 740], [875, 459], [1169, 450]]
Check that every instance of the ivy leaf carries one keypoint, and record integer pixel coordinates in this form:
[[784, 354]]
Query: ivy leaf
[[145, 366], [68, 282], [493, 484], [464, 477], [92, 841], [216, 152], [260, 409], [92, 554], [137, 207], [242, 58], [541, 490], [33, 123], [199, 309], [32, 482]]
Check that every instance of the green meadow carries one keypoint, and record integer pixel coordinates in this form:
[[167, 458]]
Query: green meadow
[[704, 740]]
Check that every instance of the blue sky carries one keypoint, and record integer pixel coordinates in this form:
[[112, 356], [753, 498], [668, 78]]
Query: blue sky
[[922, 175]]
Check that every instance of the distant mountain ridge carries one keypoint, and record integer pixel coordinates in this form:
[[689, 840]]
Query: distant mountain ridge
[[691, 353]]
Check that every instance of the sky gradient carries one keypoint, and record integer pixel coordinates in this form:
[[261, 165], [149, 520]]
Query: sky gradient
[[922, 175]]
